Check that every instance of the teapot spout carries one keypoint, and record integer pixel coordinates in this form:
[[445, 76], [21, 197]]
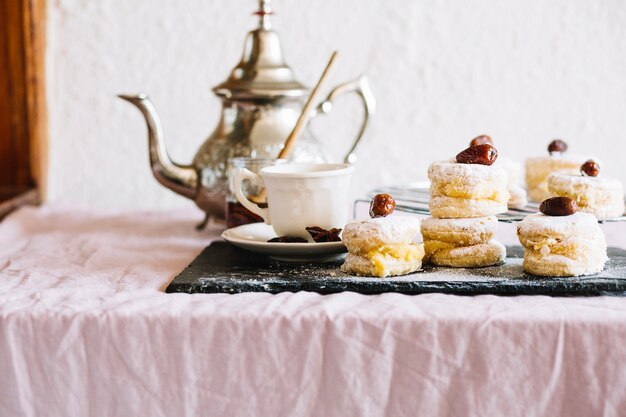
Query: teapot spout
[[182, 179]]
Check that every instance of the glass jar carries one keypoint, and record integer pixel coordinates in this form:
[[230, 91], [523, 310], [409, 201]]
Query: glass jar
[[236, 213]]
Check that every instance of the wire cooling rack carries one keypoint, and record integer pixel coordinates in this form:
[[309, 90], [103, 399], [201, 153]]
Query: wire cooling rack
[[413, 198]]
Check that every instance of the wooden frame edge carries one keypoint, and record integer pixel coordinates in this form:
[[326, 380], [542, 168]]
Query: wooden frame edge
[[34, 34]]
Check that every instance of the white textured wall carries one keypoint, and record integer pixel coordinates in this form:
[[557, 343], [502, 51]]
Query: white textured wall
[[442, 71]]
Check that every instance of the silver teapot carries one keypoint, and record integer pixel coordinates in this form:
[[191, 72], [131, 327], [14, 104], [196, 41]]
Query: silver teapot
[[261, 102]]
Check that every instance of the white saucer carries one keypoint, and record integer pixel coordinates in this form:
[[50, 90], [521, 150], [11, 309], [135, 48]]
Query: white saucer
[[254, 236]]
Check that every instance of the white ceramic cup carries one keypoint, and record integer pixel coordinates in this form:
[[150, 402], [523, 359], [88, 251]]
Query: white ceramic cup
[[300, 195]]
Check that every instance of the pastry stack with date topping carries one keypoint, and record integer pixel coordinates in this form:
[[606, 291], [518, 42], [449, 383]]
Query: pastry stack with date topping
[[592, 192], [382, 246], [538, 169], [561, 241], [465, 194]]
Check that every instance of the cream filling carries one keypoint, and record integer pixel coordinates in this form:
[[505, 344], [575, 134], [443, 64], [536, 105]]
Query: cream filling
[[382, 256], [457, 188], [579, 250]]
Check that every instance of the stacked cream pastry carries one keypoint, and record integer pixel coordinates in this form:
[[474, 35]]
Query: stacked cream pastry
[[383, 246], [465, 194], [518, 197], [594, 194], [538, 169], [560, 241], [462, 243]]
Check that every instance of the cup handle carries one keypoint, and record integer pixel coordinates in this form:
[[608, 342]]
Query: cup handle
[[361, 87], [242, 175]]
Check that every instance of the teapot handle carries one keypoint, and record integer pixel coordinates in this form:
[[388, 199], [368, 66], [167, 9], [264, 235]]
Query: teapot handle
[[361, 87]]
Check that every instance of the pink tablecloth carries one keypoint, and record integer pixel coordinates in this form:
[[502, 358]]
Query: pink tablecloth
[[86, 330]]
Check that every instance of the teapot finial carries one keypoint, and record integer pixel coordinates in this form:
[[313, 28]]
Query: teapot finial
[[262, 72], [264, 12]]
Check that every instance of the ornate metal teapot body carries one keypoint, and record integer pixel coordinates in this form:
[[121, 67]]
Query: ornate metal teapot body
[[261, 101]]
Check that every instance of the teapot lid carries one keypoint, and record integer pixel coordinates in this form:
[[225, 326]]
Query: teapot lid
[[262, 72]]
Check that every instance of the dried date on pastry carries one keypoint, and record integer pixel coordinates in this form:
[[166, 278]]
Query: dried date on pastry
[[590, 168], [321, 235], [287, 239], [481, 140], [557, 146], [382, 205], [484, 154], [558, 206]]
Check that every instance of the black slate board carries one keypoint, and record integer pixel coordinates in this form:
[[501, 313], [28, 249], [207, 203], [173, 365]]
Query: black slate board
[[223, 268]]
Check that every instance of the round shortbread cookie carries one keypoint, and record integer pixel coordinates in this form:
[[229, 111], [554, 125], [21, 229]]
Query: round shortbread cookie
[[562, 266], [603, 197], [482, 254], [461, 232], [366, 235], [453, 208], [473, 181], [469, 188], [359, 265], [538, 227], [562, 246], [452, 169], [538, 169], [518, 199]]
